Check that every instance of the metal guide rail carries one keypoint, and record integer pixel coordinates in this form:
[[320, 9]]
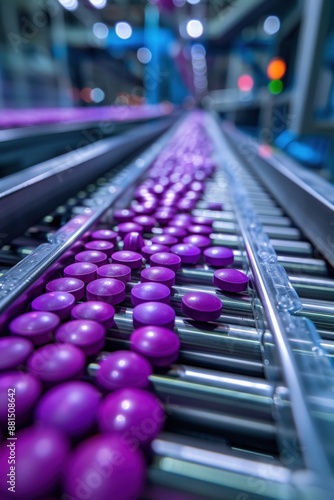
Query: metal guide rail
[[249, 401]]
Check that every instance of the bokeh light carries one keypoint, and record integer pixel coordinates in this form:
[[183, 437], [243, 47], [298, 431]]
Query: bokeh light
[[275, 86], [123, 30], [245, 83], [276, 69], [144, 55], [194, 28], [100, 30], [271, 25]]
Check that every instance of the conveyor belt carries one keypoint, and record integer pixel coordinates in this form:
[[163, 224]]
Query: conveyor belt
[[250, 399]]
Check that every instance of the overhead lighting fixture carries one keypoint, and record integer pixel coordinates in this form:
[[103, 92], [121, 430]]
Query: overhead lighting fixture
[[144, 55], [271, 25], [123, 30], [69, 4], [98, 4], [100, 30], [194, 28]]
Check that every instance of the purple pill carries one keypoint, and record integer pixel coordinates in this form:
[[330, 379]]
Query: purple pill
[[214, 205], [146, 208], [146, 221], [123, 215], [86, 334], [164, 239], [70, 408], [93, 256], [38, 326], [153, 313], [185, 219], [24, 389], [186, 205], [56, 363], [165, 259], [189, 254], [13, 352], [124, 369], [95, 310], [158, 344], [85, 271], [59, 303], [230, 280], [105, 235], [164, 217], [132, 412], [198, 240], [71, 285], [107, 290], [101, 246], [218, 256], [148, 292], [202, 221], [200, 229], [105, 467], [128, 227], [131, 259], [116, 271], [40, 453], [201, 306], [177, 232], [149, 250], [158, 275], [133, 241]]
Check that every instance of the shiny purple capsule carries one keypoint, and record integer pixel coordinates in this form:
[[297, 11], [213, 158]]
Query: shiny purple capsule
[[148, 292], [202, 221], [105, 235], [59, 303], [74, 286], [108, 290], [158, 344], [85, 271], [95, 310], [116, 271], [230, 280], [123, 215], [24, 389], [153, 313], [146, 221], [128, 227], [164, 239], [200, 229], [201, 306], [101, 246], [218, 256], [177, 232], [165, 259], [198, 240], [189, 254], [158, 275], [13, 352], [93, 256], [56, 363], [86, 334], [129, 258], [124, 369], [133, 241], [38, 326], [149, 250]]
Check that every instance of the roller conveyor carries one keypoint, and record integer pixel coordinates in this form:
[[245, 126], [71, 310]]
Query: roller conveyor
[[249, 401]]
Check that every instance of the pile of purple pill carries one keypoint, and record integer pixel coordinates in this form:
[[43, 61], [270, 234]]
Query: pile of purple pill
[[85, 437]]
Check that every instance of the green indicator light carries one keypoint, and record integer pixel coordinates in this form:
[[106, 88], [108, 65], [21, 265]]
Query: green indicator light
[[275, 86]]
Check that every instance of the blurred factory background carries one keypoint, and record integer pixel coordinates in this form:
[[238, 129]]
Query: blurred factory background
[[265, 64]]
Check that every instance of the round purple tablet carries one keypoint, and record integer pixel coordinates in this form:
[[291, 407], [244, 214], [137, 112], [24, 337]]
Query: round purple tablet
[[24, 388], [74, 286], [132, 410], [218, 256], [13, 352], [93, 256], [128, 227], [214, 205], [101, 246], [56, 363], [105, 235], [38, 326], [124, 369], [131, 259], [165, 259], [201, 306], [176, 231], [149, 250], [84, 333], [146, 221], [158, 344], [70, 407], [107, 290], [59, 303], [198, 240], [97, 311], [164, 239], [133, 241], [230, 280], [123, 215], [40, 453], [116, 271], [85, 271], [148, 292], [199, 229], [114, 468], [189, 254], [158, 275], [153, 313], [202, 221]]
